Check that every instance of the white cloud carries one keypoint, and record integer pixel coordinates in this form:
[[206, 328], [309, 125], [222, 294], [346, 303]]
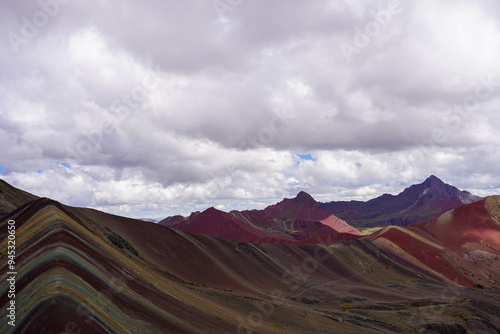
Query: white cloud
[[182, 110]]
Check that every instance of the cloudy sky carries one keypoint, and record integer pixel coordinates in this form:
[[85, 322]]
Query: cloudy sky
[[162, 107]]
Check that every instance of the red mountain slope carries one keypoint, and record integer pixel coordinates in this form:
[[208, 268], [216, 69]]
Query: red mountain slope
[[299, 220], [220, 224], [461, 245], [304, 207]]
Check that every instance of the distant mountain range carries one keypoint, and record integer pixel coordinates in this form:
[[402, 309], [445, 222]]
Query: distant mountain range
[[80, 270], [418, 203], [302, 219]]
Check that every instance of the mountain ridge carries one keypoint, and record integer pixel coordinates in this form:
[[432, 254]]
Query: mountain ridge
[[110, 274], [292, 218], [417, 203]]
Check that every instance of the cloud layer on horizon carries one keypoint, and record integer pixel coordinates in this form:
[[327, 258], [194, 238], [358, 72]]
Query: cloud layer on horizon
[[169, 107]]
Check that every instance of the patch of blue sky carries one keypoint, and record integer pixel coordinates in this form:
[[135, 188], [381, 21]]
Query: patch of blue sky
[[306, 157], [63, 164]]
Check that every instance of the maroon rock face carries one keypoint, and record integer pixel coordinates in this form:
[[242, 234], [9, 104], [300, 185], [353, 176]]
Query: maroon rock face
[[299, 220], [459, 245]]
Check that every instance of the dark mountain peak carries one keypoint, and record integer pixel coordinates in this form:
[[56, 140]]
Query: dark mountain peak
[[194, 214], [417, 203], [304, 197], [172, 221], [433, 182], [211, 211], [434, 189], [434, 186]]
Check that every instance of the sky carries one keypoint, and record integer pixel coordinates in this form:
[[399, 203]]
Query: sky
[[156, 108]]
